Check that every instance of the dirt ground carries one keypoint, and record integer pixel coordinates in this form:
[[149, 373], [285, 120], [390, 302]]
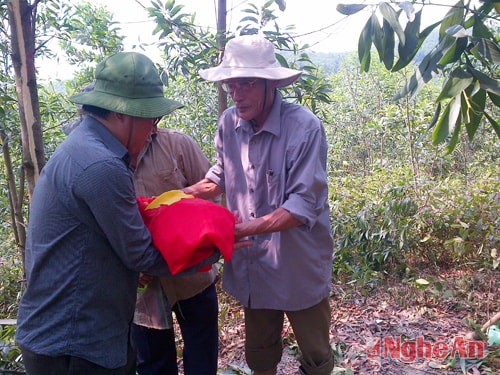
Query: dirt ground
[[433, 318]]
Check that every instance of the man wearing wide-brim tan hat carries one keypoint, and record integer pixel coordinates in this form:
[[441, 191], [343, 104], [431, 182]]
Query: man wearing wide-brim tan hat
[[87, 241], [271, 164]]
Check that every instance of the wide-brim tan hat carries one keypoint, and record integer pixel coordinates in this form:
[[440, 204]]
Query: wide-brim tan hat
[[251, 56], [128, 83]]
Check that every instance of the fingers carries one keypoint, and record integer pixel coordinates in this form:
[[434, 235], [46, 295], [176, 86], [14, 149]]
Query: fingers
[[241, 244], [237, 217]]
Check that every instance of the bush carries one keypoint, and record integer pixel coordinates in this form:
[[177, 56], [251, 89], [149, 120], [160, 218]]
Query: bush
[[460, 221], [11, 271], [10, 353], [372, 223], [386, 226]]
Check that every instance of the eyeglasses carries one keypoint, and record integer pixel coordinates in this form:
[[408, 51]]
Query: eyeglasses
[[242, 86]]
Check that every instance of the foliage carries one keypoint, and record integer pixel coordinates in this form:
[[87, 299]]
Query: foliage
[[467, 53], [380, 224], [199, 117], [398, 203], [188, 48], [56, 110], [390, 190], [10, 353], [11, 269], [460, 221], [372, 223], [85, 31]]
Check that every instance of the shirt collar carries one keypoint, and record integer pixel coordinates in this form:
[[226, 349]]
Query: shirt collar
[[111, 142], [272, 123]]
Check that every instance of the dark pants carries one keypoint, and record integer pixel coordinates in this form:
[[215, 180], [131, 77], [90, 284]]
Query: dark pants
[[37, 364], [198, 321], [311, 328]]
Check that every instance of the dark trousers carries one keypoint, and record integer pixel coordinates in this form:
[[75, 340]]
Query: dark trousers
[[198, 321], [37, 364]]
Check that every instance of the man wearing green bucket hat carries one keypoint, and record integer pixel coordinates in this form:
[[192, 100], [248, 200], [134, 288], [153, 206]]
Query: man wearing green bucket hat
[[86, 239]]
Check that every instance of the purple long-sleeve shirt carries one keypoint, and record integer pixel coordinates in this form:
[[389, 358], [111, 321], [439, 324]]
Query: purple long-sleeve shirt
[[282, 165]]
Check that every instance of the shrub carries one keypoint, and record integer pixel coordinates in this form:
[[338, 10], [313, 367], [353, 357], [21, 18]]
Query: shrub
[[387, 226]]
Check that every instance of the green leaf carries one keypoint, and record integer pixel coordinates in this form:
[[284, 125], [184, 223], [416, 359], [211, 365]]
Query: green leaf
[[455, 16], [475, 110], [250, 19], [407, 54], [377, 36], [435, 116], [391, 16], [493, 123], [421, 283], [466, 108], [457, 81], [454, 138], [348, 9], [281, 59], [494, 98], [409, 48], [454, 52], [408, 8], [388, 45], [447, 122], [488, 49], [442, 130], [487, 83], [479, 29], [364, 46], [281, 4], [425, 72]]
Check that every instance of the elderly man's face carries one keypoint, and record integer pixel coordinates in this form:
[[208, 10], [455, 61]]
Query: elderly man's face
[[249, 96]]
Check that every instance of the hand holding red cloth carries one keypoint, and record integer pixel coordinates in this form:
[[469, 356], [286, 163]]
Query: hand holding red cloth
[[187, 230]]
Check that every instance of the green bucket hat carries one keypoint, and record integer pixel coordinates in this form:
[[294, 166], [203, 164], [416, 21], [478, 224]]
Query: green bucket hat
[[128, 83]]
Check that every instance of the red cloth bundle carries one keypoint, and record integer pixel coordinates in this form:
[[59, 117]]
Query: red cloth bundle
[[186, 230]]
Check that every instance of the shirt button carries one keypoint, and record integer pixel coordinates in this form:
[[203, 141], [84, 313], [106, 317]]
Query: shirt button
[[251, 190], [252, 214]]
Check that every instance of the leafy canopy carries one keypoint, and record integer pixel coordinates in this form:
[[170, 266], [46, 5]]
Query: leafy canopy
[[467, 54]]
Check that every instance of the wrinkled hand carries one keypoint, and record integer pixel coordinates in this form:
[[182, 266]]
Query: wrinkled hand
[[240, 241], [237, 217]]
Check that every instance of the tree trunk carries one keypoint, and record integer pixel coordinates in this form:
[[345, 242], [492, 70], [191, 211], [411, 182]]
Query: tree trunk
[[22, 22], [15, 199], [221, 35]]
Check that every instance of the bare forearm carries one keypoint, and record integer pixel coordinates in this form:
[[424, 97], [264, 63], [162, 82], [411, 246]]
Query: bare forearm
[[204, 189], [278, 220]]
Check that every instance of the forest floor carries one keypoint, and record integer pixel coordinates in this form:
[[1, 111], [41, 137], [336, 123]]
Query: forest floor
[[436, 316]]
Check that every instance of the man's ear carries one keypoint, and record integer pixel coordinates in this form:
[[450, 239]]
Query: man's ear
[[273, 84], [120, 117]]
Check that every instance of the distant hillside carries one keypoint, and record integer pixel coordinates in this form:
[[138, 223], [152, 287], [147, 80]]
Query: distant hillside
[[329, 61]]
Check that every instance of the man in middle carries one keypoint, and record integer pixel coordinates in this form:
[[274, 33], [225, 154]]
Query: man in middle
[[172, 161]]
